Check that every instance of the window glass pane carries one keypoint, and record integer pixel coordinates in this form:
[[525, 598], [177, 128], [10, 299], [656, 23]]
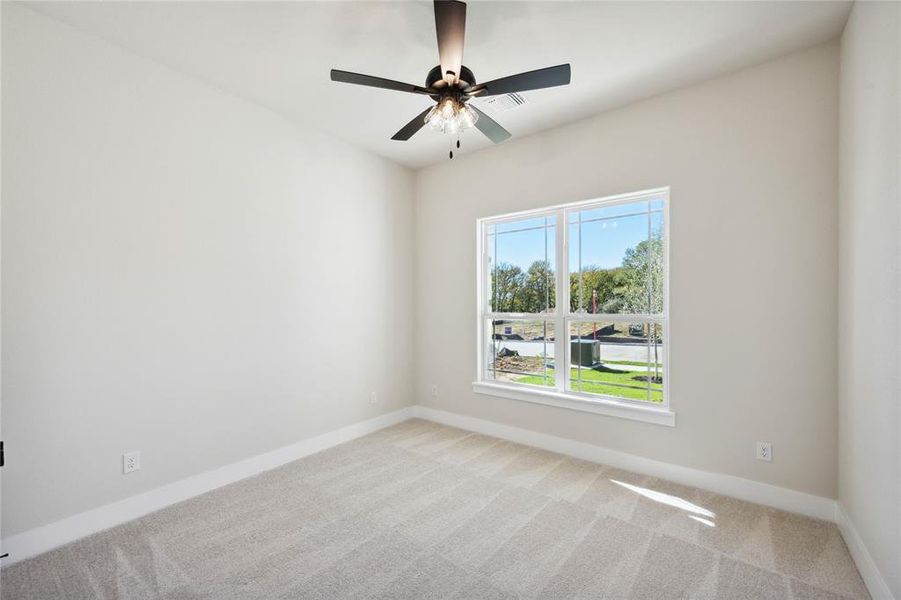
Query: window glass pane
[[520, 352], [577, 284], [521, 263], [609, 211], [513, 226], [655, 362], [616, 359], [656, 262], [609, 269]]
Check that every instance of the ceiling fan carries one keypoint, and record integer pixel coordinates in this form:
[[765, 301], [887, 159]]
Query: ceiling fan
[[452, 85]]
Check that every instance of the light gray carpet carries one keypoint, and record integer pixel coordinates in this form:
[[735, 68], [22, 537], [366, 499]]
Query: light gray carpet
[[420, 511]]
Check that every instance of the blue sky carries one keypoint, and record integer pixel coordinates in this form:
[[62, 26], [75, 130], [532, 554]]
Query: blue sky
[[603, 243]]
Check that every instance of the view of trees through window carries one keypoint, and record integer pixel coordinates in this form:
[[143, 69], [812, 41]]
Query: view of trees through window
[[621, 289], [615, 264]]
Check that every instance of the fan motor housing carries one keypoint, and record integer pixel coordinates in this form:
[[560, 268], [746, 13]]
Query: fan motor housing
[[466, 78]]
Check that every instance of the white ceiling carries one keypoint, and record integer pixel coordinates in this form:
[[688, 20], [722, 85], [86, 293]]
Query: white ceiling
[[278, 54]]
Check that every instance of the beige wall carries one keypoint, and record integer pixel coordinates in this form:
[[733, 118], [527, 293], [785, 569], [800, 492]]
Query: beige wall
[[182, 274], [869, 293], [751, 159]]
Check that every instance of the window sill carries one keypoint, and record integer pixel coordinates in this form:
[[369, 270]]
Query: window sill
[[600, 406]]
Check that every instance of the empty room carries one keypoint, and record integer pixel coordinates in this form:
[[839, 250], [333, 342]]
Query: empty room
[[415, 299]]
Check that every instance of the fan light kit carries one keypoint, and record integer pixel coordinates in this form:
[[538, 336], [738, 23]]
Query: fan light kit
[[451, 116], [451, 85]]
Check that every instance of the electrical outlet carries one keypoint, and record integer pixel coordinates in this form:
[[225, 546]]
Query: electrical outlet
[[435, 389], [131, 461], [765, 451], [373, 398]]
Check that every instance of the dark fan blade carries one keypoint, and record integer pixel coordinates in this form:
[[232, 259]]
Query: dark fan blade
[[532, 80], [450, 23], [407, 131], [378, 82], [490, 128]]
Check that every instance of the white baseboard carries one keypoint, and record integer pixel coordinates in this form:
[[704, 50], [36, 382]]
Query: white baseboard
[[41, 539], [869, 572], [727, 485]]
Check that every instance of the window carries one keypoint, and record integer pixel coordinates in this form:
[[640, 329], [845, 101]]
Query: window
[[572, 306]]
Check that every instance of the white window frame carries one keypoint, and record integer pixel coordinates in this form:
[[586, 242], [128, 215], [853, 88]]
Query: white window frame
[[560, 395]]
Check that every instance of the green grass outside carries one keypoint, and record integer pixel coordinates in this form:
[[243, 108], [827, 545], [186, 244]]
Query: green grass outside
[[593, 381], [631, 363]]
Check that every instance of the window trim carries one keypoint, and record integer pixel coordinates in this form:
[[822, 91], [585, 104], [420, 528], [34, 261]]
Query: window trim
[[559, 395]]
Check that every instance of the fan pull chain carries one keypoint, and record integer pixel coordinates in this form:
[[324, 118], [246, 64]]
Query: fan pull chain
[[451, 153]]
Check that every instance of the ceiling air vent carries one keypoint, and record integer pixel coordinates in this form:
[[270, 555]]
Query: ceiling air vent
[[499, 104]]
